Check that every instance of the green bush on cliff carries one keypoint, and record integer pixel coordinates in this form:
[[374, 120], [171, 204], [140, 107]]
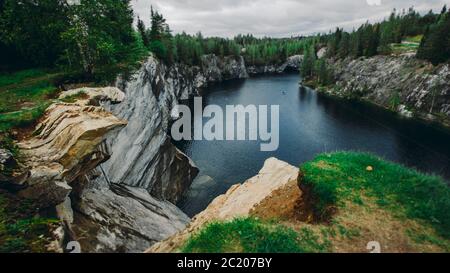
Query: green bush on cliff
[[335, 179]]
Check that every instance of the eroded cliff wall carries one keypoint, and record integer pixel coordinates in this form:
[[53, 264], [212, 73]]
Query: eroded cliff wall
[[142, 154], [403, 84]]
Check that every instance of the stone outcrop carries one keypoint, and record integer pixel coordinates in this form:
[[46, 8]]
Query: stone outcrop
[[13, 176], [142, 153], [64, 158], [292, 63], [120, 218], [215, 69], [240, 201], [94, 96], [104, 162], [404, 84], [65, 147]]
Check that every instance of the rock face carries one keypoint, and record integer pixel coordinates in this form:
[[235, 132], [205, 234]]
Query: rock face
[[13, 177], [292, 63], [66, 147], [64, 157], [239, 201], [142, 153], [401, 83], [93, 96], [106, 164], [216, 69], [124, 219]]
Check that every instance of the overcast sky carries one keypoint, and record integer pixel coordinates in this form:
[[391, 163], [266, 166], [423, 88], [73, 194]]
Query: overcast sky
[[276, 18]]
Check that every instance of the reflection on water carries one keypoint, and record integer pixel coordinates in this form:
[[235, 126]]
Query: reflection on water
[[310, 123]]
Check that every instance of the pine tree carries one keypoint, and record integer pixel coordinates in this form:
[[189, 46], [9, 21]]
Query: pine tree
[[160, 37], [158, 25], [435, 45], [344, 46], [143, 32]]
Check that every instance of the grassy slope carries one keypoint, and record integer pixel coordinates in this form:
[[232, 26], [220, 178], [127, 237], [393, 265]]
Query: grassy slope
[[355, 198], [20, 229], [408, 45], [24, 97], [250, 235]]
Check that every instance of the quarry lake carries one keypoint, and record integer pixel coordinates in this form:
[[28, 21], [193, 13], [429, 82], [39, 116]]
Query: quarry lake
[[310, 123]]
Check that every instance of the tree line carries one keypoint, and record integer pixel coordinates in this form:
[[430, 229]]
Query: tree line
[[188, 49], [377, 39], [83, 35], [96, 36]]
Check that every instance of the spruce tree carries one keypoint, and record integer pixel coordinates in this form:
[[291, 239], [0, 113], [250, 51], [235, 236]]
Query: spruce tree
[[143, 32]]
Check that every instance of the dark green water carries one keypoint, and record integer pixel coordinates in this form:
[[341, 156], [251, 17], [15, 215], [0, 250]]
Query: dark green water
[[310, 123]]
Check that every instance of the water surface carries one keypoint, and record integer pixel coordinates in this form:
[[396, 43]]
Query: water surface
[[310, 123]]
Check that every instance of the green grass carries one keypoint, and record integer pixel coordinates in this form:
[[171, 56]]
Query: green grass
[[20, 229], [73, 98], [24, 96], [409, 44], [249, 235], [22, 118], [335, 179], [18, 77], [17, 98], [414, 39]]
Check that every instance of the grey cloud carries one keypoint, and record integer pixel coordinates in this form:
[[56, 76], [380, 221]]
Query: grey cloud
[[277, 18]]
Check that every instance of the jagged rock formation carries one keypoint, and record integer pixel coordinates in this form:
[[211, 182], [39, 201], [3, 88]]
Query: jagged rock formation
[[142, 153], [93, 96], [241, 200], [291, 64], [13, 176], [403, 84], [105, 162], [216, 69], [120, 218], [65, 148], [63, 157]]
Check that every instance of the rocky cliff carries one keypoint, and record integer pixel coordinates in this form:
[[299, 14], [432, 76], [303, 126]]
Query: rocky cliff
[[411, 87], [291, 64], [142, 153], [59, 171], [104, 162], [272, 193]]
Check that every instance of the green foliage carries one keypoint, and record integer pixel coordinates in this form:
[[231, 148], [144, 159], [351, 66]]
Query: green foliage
[[25, 97], [73, 98], [394, 101], [94, 37], [14, 78], [189, 49], [337, 178], [268, 51], [435, 45], [100, 34], [7, 142], [20, 229], [316, 70], [22, 118], [309, 61], [143, 33], [30, 32], [372, 39], [250, 235]]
